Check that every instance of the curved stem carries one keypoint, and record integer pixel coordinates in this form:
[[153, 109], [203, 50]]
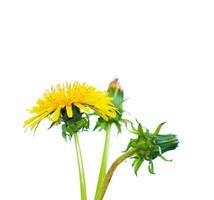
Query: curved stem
[[111, 171], [104, 160], [81, 168]]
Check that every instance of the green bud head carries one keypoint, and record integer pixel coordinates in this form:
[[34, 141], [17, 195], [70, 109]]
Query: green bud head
[[150, 145]]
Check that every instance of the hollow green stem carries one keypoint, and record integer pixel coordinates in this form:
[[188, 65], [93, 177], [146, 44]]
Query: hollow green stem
[[104, 161], [111, 171], [81, 168]]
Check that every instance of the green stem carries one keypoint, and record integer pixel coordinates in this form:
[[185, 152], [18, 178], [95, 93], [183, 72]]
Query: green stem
[[81, 168], [111, 171], [104, 161]]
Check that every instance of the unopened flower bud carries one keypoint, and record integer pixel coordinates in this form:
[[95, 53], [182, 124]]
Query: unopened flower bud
[[114, 85], [115, 91], [150, 145]]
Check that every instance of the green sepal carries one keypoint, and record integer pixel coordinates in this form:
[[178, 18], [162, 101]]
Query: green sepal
[[52, 124], [159, 128], [125, 122], [136, 164], [165, 159], [132, 144], [101, 124], [79, 122], [118, 126], [151, 167], [64, 135]]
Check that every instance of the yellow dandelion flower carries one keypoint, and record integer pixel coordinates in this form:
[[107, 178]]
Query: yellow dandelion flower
[[63, 97]]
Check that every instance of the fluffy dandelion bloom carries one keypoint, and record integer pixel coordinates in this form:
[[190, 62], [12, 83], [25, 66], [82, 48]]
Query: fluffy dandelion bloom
[[64, 97]]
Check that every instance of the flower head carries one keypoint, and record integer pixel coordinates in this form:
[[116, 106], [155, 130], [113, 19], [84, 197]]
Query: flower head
[[61, 99]]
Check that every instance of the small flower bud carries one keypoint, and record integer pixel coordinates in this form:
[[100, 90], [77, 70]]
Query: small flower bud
[[115, 91], [114, 85]]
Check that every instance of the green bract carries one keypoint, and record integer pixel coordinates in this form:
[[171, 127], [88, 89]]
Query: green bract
[[79, 122]]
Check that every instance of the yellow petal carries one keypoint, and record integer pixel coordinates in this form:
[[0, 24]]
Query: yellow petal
[[104, 116], [82, 107], [30, 120], [69, 111], [37, 121], [56, 114]]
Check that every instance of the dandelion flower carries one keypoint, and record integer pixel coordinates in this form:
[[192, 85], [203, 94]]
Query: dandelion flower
[[65, 97]]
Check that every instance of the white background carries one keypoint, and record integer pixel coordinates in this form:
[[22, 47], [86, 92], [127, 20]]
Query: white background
[[162, 51]]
